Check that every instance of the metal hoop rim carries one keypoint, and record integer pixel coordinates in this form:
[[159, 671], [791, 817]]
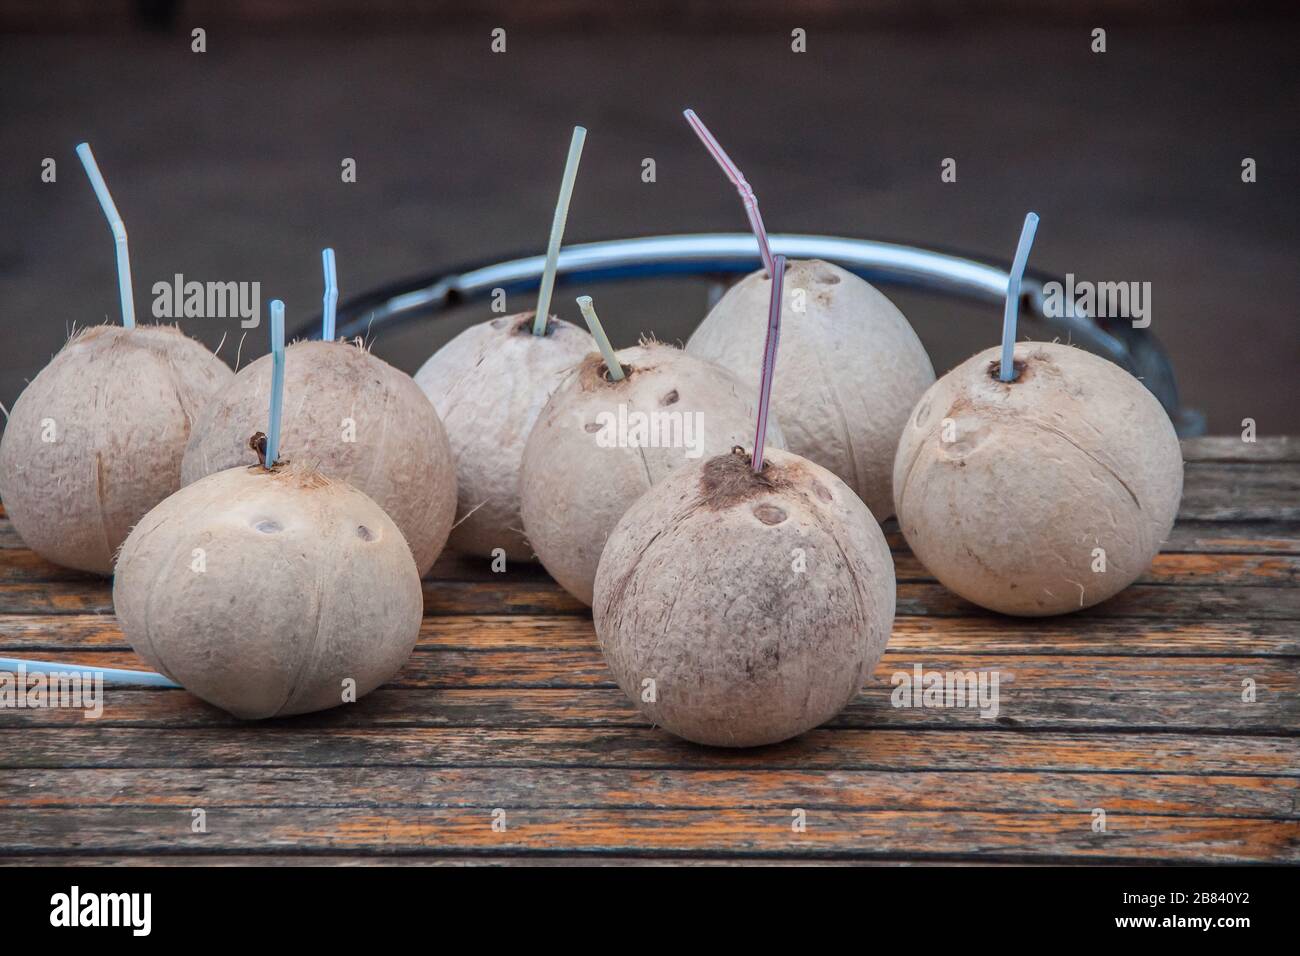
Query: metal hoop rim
[[719, 254]]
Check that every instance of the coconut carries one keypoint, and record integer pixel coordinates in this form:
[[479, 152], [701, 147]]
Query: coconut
[[96, 439], [353, 417], [1041, 495], [599, 444], [489, 383], [740, 609], [851, 368], [266, 592]]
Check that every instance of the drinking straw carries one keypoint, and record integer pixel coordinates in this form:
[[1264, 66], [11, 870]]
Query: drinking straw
[[1011, 309], [331, 295], [602, 341], [277, 383], [769, 359], [557, 230], [111, 675], [738, 180], [119, 233]]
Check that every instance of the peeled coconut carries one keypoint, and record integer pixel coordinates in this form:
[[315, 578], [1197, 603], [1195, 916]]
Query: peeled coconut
[[599, 444], [1041, 495], [96, 439], [489, 383], [263, 592], [738, 609], [355, 418], [851, 368]]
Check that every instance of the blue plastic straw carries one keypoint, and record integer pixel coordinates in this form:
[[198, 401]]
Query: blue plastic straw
[[1011, 310], [119, 233], [331, 295], [277, 382], [557, 230], [111, 675]]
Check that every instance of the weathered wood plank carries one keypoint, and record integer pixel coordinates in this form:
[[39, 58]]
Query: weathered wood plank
[[27, 635], [1238, 537], [507, 703], [56, 597], [23, 567], [274, 745], [1074, 634], [1185, 602], [1190, 535], [566, 668], [1150, 601], [557, 787], [118, 860], [71, 593], [1231, 448], [1168, 710], [959, 834], [1241, 491], [449, 690], [1176, 569]]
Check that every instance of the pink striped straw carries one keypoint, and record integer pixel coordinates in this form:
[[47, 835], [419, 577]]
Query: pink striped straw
[[738, 179], [769, 359]]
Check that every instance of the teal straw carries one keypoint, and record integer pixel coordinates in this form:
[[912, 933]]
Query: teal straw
[[1011, 310], [111, 675], [331, 295], [119, 233], [277, 383]]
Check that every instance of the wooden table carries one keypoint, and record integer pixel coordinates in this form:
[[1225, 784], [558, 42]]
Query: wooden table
[[1134, 708]]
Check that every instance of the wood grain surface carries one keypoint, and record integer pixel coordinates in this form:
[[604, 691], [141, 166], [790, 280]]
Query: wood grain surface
[[1133, 708]]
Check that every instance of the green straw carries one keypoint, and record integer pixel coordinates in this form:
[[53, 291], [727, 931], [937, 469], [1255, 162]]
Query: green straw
[[557, 230], [602, 341]]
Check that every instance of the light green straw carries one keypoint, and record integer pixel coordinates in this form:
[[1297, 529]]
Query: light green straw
[[557, 230], [602, 340]]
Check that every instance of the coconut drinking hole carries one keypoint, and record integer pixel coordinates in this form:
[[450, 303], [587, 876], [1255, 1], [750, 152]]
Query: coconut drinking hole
[[524, 324], [1018, 369], [730, 479]]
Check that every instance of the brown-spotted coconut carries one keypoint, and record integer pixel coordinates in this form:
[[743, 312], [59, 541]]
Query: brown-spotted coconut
[[489, 383], [353, 417], [851, 368], [739, 609], [269, 593], [1041, 495], [599, 444], [96, 439]]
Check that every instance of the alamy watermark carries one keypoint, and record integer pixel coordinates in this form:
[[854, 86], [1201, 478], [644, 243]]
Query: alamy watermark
[[133, 911], [180, 299], [41, 690], [943, 689], [637, 429], [1102, 300]]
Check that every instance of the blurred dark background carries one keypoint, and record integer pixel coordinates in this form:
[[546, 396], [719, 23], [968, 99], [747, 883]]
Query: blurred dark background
[[226, 164]]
